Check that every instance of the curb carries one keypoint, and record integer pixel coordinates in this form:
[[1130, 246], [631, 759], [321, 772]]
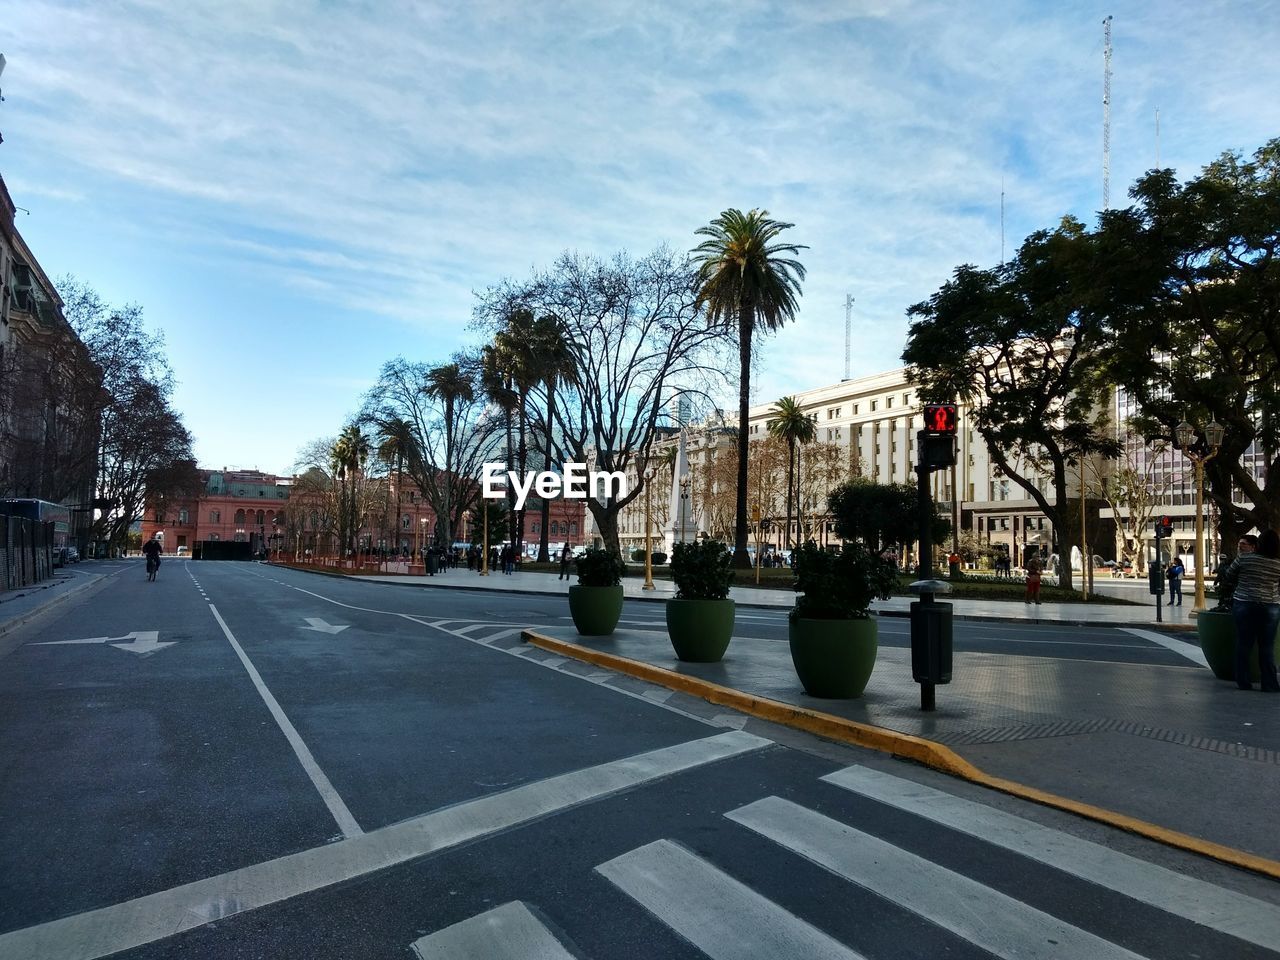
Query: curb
[[927, 752], [750, 605]]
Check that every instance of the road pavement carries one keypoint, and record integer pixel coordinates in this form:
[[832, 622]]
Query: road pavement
[[239, 760]]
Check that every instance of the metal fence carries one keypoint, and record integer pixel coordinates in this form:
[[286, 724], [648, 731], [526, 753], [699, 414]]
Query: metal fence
[[26, 551]]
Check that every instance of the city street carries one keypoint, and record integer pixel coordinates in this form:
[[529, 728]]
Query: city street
[[241, 760]]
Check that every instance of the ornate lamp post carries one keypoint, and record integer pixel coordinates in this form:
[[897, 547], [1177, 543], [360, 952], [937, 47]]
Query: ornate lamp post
[[684, 505], [1186, 437], [648, 530]]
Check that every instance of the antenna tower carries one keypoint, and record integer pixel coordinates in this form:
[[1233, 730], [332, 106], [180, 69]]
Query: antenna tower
[[1106, 114], [848, 333]]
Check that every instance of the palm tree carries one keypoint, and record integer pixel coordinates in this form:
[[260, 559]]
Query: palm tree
[[451, 385], [396, 444], [746, 278], [557, 364], [512, 367], [795, 427], [349, 455], [495, 381]]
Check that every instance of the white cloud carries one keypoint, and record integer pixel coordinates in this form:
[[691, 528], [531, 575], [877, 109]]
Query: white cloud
[[383, 161]]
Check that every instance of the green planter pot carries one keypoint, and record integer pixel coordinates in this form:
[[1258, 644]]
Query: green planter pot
[[1217, 633], [700, 630], [833, 658], [595, 610]]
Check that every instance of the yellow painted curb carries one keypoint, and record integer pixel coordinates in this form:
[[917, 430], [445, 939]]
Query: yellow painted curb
[[933, 755]]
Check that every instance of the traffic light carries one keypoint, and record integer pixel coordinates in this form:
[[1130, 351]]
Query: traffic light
[[1164, 526], [936, 450], [940, 419]]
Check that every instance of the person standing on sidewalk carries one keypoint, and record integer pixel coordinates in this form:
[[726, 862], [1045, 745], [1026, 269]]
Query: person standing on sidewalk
[[1033, 579], [1256, 609], [1175, 572], [566, 557]]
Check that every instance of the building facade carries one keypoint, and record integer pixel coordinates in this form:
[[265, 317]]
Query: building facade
[[48, 414]]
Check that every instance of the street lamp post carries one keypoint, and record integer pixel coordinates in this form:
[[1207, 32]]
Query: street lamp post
[[648, 530], [422, 535], [684, 505], [1186, 437], [484, 552]]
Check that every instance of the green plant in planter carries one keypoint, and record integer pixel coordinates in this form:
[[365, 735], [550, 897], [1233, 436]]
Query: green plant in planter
[[595, 602], [832, 636], [637, 556], [700, 618], [659, 558], [600, 568], [702, 570]]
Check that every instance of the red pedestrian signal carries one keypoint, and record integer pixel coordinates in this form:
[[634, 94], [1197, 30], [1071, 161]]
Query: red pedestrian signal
[[940, 418]]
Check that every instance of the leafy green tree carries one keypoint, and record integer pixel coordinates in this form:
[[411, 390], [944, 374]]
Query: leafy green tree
[[1019, 345], [882, 514], [794, 427], [1192, 285], [747, 280]]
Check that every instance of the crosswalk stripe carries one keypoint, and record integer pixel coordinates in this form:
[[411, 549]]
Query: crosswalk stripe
[[508, 932], [1201, 902], [107, 930], [723, 918], [949, 899]]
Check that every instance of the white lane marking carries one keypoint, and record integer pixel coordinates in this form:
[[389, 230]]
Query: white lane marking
[[508, 932], [1191, 651], [98, 933], [723, 918], [951, 900], [346, 822], [141, 642], [323, 626], [1234, 914], [502, 634]]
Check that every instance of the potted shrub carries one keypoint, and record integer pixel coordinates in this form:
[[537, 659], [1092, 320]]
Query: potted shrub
[[833, 638], [596, 601], [700, 618]]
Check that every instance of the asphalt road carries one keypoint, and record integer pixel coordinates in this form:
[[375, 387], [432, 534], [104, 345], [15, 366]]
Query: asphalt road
[[241, 761]]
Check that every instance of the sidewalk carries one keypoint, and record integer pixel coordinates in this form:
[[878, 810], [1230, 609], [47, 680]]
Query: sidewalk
[[1170, 746], [21, 605], [1101, 614]]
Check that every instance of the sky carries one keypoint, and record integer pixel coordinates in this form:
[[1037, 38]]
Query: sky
[[297, 192]]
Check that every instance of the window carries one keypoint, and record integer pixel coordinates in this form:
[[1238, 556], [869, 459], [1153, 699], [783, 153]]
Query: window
[[406, 523], [537, 526], [906, 399], [183, 517], [555, 526], [855, 409], [573, 529], [873, 406], [214, 536], [215, 516], [239, 518], [888, 403]]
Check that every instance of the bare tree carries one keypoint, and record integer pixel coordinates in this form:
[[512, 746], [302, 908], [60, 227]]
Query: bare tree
[[637, 341], [450, 434]]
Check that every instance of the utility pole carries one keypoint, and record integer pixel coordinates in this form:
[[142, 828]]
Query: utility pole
[[848, 334], [1106, 114]]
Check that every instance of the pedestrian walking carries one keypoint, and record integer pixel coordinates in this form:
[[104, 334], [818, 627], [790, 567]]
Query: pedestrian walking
[[505, 559], [1174, 574], [1033, 580], [566, 557], [1256, 609]]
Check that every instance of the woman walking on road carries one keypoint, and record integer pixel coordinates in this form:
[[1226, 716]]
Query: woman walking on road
[[1256, 608]]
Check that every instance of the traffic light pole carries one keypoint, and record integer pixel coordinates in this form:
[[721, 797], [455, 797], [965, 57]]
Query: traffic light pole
[[931, 620]]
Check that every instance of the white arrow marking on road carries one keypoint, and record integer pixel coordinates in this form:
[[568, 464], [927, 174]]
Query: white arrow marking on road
[[320, 626], [142, 642]]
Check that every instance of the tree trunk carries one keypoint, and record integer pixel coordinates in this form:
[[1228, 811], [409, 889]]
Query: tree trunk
[[544, 553], [791, 466], [606, 518], [746, 320], [446, 517]]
